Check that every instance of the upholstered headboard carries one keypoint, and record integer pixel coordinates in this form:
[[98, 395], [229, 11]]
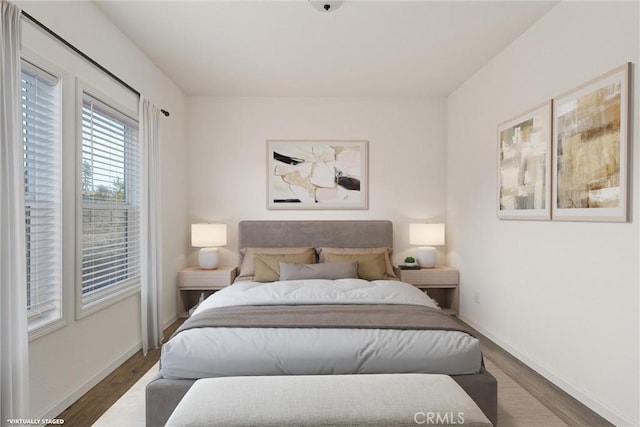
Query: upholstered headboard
[[337, 234]]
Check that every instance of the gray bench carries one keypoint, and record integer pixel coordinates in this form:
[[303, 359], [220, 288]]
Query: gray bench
[[335, 400]]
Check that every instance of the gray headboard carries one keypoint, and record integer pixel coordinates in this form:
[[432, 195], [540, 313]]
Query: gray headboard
[[337, 234]]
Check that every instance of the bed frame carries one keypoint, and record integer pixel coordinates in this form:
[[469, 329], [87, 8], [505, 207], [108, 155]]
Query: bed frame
[[163, 395]]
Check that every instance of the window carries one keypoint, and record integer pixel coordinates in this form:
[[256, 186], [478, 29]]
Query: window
[[41, 117], [110, 248]]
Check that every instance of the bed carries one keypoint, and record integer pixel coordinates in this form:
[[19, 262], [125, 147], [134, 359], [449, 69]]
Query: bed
[[279, 318]]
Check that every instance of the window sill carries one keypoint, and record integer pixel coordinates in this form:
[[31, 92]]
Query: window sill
[[47, 329], [89, 309]]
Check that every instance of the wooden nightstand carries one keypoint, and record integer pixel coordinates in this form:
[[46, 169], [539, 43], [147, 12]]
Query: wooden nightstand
[[441, 283], [194, 281]]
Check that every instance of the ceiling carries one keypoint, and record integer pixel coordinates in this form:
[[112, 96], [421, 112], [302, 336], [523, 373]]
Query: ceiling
[[288, 48]]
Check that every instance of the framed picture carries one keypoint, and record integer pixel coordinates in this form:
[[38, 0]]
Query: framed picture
[[317, 174], [590, 142], [524, 165]]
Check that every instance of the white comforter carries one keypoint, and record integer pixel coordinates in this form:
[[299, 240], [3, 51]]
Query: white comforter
[[317, 291], [212, 352]]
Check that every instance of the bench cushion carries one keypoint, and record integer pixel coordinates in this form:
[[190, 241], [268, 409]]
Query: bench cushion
[[335, 400]]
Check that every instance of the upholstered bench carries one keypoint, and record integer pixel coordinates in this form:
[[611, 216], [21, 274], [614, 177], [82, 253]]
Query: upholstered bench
[[335, 400]]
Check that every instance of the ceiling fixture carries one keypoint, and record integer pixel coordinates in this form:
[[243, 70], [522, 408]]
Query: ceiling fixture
[[326, 5]]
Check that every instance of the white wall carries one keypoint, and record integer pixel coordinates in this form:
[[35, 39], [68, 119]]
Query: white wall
[[562, 297], [68, 362], [227, 157]]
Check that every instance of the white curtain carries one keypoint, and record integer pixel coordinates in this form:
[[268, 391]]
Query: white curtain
[[14, 338], [151, 285]]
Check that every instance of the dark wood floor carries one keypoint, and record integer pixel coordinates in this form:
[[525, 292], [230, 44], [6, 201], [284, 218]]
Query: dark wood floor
[[92, 405], [86, 410]]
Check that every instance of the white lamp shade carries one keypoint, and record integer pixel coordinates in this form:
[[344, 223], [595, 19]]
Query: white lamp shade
[[426, 234], [208, 235]]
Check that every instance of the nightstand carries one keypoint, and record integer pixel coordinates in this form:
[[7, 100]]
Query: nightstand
[[194, 281], [441, 283]]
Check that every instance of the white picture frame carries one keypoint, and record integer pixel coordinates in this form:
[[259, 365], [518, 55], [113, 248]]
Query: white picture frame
[[311, 174], [590, 148], [524, 165]]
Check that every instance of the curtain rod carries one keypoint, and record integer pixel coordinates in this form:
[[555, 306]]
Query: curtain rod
[[84, 55]]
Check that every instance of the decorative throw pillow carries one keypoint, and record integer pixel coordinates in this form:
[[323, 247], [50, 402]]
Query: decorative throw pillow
[[329, 270], [370, 266], [247, 267], [322, 252], [267, 266]]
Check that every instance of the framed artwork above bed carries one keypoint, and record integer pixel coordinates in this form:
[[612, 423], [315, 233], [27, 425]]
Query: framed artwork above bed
[[308, 174]]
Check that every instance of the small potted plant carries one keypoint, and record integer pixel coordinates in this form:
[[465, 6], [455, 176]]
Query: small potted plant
[[410, 261]]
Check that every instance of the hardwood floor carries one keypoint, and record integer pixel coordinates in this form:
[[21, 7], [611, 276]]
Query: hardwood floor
[[86, 410], [565, 407], [92, 405]]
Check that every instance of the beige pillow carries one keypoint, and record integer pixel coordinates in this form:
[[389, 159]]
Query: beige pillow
[[267, 266], [247, 267], [370, 266], [322, 252]]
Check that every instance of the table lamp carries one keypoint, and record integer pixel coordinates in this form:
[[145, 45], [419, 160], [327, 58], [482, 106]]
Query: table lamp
[[208, 237], [426, 236]]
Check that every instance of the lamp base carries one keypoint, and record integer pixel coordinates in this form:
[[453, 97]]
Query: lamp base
[[427, 256], [208, 258]]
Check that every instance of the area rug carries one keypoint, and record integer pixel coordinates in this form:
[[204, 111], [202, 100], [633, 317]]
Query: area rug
[[516, 406], [129, 410]]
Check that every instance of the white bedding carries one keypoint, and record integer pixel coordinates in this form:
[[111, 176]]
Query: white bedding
[[212, 352], [317, 291]]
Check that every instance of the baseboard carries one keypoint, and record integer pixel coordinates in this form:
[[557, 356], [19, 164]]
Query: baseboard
[[63, 404], [556, 379], [170, 322]]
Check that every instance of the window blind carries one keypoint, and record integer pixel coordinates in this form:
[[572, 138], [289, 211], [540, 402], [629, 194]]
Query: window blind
[[110, 201], [43, 194]]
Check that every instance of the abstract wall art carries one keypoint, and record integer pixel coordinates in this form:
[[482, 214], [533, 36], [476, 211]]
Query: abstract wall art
[[524, 165], [590, 142], [307, 174]]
